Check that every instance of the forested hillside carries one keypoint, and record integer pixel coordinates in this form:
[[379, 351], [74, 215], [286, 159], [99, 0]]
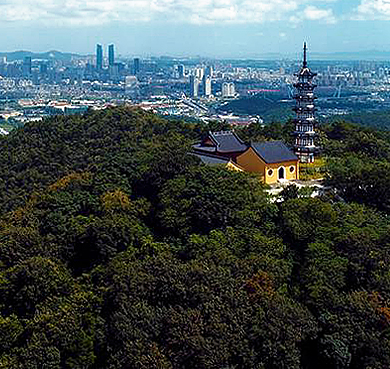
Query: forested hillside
[[118, 249], [379, 119]]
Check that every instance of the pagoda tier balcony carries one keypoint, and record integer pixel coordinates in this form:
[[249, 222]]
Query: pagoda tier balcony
[[308, 75], [304, 109], [305, 126], [305, 97], [307, 78], [305, 133], [305, 86], [305, 149], [305, 121]]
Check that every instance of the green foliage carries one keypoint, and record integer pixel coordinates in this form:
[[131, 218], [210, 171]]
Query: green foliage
[[269, 108], [10, 331], [206, 198], [110, 144], [273, 131], [120, 250], [181, 314], [31, 282], [378, 119]]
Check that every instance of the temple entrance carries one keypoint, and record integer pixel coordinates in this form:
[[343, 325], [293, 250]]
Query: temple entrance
[[281, 173]]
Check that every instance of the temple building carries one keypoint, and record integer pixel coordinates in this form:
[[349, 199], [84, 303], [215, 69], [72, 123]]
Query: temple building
[[224, 144], [273, 161], [305, 121]]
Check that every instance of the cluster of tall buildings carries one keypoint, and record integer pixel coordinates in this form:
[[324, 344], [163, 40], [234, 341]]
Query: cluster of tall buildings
[[99, 56], [136, 67], [113, 68], [228, 89], [200, 81]]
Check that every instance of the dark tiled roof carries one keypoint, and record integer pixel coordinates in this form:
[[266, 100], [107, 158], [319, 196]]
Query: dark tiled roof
[[273, 151], [200, 147], [227, 141], [212, 160]]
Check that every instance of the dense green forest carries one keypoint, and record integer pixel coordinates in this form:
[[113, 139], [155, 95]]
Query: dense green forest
[[275, 107], [376, 119], [271, 108], [119, 249]]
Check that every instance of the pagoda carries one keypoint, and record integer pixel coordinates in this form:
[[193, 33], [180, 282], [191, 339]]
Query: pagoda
[[305, 121]]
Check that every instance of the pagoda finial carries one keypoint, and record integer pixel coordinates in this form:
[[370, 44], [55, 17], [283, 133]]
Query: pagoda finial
[[304, 55]]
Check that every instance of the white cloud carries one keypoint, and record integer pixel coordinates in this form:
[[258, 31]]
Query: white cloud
[[315, 14], [373, 9], [97, 12]]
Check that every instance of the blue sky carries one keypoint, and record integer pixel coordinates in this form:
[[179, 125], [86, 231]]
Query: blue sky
[[210, 28]]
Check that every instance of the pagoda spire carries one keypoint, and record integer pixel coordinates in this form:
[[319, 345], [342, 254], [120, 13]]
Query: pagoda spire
[[304, 55]]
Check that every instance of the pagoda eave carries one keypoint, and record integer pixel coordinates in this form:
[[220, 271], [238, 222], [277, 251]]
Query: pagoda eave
[[304, 98], [304, 110], [305, 121], [305, 86], [305, 133], [305, 149]]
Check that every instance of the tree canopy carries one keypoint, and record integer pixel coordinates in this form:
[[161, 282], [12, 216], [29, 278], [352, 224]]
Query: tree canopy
[[119, 249]]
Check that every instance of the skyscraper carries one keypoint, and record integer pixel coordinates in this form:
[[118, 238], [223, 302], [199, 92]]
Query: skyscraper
[[43, 68], [111, 55], [305, 121], [209, 71], [27, 65], [199, 72], [194, 86], [207, 86], [181, 70], [99, 57], [136, 66], [228, 89]]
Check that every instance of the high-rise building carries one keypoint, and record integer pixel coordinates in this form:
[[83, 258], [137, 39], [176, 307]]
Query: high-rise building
[[232, 89], [111, 55], [305, 121], [43, 68], [194, 86], [207, 86], [99, 57], [131, 86], [181, 70], [225, 89], [228, 89], [209, 71], [113, 72], [199, 73], [136, 66], [27, 66]]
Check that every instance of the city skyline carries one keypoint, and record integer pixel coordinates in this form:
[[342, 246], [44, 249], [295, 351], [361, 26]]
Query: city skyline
[[219, 28]]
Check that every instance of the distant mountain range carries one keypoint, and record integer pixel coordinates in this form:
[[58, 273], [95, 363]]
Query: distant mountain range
[[357, 55], [53, 54], [368, 55]]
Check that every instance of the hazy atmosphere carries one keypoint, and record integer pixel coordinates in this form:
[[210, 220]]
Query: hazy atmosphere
[[217, 28]]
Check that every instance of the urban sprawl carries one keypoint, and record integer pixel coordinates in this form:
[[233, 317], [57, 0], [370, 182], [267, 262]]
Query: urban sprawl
[[34, 86]]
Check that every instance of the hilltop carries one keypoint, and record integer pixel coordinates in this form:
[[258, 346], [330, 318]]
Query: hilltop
[[48, 55], [119, 249]]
